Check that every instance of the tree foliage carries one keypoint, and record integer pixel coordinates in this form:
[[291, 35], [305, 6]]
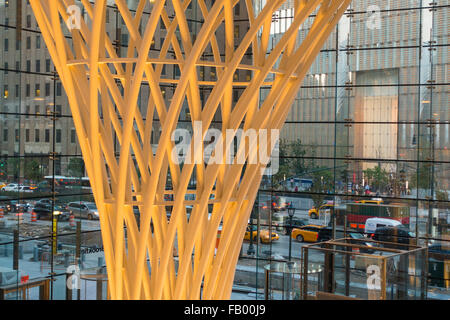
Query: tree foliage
[[378, 178], [323, 183], [76, 167], [32, 170]]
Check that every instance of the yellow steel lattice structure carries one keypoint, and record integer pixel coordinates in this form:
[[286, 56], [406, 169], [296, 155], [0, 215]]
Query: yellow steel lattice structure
[[103, 90]]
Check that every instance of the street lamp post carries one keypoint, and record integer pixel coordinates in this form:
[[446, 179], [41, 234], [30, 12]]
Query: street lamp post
[[291, 211], [251, 249]]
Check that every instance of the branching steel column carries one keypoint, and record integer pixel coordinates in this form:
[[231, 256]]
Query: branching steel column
[[103, 90]]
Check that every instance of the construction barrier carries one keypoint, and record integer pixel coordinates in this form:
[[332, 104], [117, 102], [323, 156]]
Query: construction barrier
[[355, 251], [2, 213], [19, 217], [72, 220], [219, 233], [33, 216]]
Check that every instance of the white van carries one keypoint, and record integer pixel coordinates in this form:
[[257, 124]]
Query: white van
[[373, 223]]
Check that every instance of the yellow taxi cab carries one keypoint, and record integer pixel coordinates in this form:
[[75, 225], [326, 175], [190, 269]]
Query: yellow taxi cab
[[2, 184], [315, 214], [263, 235], [373, 200], [311, 233]]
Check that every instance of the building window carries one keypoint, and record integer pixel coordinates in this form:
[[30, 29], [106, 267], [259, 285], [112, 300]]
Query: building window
[[47, 89], [73, 136], [5, 135], [58, 89], [47, 135], [58, 136], [36, 135]]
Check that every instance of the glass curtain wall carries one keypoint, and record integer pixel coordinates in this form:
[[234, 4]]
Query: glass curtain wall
[[367, 136]]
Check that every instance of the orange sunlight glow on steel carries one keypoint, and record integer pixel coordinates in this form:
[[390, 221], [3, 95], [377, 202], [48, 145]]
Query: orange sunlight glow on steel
[[103, 91]]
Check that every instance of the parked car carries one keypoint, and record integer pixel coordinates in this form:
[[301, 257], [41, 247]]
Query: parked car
[[83, 209], [395, 235], [44, 210], [312, 233], [264, 235]]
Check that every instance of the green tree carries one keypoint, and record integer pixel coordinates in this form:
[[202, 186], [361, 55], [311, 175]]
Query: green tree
[[76, 167], [32, 170], [13, 165], [378, 178], [323, 183], [298, 165], [284, 164], [422, 178]]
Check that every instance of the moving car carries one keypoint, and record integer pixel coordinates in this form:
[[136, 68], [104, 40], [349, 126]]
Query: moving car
[[312, 233], [358, 238], [439, 251], [19, 206], [373, 200], [83, 209], [43, 209], [263, 234], [7, 205], [296, 223], [373, 223], [26, 189], [315, 213], [438, 254], [11, 187], [397, 234]]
